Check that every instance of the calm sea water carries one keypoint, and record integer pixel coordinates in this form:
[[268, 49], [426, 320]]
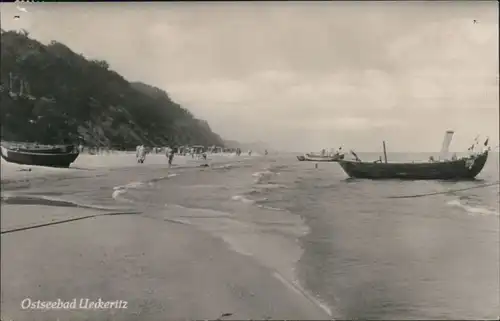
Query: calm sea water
[[346, 244]]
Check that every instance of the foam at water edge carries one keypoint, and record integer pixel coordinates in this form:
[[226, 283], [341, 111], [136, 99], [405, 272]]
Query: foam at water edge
[[472, 210], [294, 286], [242, 199], [262, 176], [270, 186], [270, 208], [246, 238], [55, 201], [121, 189], [116, 195], [262, 173], [129, 185]]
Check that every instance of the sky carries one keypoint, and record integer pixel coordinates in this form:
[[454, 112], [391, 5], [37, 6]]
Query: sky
[[300, 76]]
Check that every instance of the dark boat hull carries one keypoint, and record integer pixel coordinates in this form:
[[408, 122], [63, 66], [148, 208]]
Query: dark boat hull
[[54, 150], [35, 148], [461, 169], [38, 159]]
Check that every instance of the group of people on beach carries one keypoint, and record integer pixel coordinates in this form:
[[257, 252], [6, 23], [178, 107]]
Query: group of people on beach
[[142, 151]]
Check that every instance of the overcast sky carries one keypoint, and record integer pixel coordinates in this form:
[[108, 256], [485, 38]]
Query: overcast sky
[[300, 76]]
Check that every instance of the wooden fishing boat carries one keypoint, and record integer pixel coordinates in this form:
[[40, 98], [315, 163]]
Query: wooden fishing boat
[[57, 156], [464, 168], [38, 148], [45, 150], [320, 158], [326, 158], [459, 169]]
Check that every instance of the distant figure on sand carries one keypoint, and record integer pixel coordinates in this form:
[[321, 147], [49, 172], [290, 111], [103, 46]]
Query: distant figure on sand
[[141, 154], [250, 153], [171, 157], [265, 152]]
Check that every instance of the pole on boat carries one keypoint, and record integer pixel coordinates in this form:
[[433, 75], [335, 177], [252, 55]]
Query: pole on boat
[[385, 152]]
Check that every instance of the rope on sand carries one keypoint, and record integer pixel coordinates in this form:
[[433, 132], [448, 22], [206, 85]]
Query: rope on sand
[[449, 191], [64, 221]]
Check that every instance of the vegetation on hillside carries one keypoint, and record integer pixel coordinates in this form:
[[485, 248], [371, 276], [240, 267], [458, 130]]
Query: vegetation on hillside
[[49, 94]]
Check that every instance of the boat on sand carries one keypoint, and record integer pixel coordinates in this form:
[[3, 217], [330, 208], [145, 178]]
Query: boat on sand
[[39, 155]]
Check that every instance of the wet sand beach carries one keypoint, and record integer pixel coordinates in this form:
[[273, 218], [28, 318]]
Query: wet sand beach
[[162, 268]]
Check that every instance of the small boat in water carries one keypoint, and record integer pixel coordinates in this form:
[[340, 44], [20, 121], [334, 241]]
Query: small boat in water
[[39, 155], [463, 168], [320, 158], [325, 158]]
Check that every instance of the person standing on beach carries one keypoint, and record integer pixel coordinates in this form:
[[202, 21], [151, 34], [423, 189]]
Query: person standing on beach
[[171, 157], [141, 154]]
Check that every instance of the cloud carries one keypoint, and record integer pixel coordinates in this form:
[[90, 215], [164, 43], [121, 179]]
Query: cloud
[[297, 74]]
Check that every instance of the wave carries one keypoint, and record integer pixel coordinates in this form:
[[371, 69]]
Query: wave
[[270, 186], [119, 190], [196, 186], [451, 191], [252, 238], [262, 173], [243, 199], [295, 286], [263, 176], [45, 200], [226, 166], [473, 210], [264, 185], [129, 186], [265, 207]]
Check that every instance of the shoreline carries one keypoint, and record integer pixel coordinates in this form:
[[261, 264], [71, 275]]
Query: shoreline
[[162, 269], [20, 176]]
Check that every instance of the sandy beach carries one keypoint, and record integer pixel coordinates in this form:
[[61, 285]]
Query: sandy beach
[[20, 174], [162, 269]]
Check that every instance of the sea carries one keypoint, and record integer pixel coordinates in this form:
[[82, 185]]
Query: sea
[[359, 249]]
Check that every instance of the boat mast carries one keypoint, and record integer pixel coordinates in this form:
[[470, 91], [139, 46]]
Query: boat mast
[[385, 152]]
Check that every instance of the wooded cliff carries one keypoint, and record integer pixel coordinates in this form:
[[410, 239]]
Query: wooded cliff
[[50, 94]]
